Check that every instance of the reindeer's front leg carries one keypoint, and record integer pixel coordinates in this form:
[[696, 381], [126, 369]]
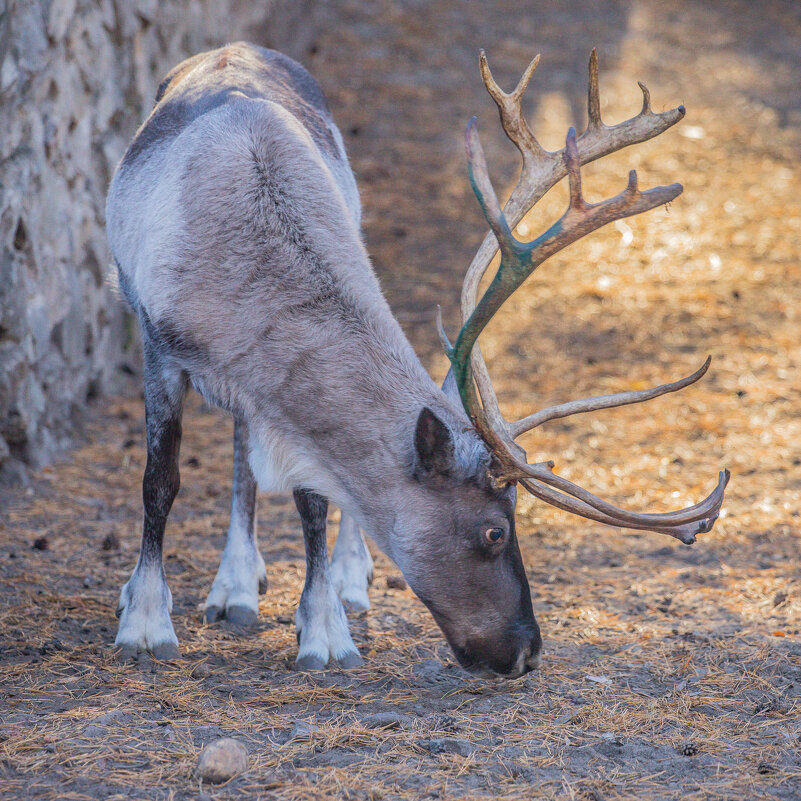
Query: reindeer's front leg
[[241, 577], [145, 601], [321, 622]]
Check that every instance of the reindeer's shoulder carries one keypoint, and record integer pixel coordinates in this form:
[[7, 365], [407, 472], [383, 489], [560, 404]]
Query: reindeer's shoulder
[[237, 71]]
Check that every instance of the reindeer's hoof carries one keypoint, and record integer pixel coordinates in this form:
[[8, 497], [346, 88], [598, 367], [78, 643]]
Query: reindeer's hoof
[[355, 606], [351, 659], [241, 616], [165, 651], [125, 653], [236, 615], [263, 584], [309, 662]]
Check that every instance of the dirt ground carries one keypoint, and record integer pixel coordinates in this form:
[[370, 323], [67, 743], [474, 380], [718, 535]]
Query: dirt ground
[[669, 672]]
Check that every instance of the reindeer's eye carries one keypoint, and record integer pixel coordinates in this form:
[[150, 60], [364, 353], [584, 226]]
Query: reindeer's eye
[[493, 535]]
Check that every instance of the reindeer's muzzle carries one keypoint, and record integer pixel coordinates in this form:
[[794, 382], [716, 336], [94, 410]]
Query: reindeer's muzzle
[[507, 658]]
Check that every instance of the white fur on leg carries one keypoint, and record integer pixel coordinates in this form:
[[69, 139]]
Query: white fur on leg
[[351, 565], [322, 628], [235, 591], [144, 612]]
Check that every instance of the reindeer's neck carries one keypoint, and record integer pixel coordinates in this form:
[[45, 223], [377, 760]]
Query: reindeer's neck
[[337, 391]]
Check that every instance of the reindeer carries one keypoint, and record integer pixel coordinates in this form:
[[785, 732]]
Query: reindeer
[[234, 223]]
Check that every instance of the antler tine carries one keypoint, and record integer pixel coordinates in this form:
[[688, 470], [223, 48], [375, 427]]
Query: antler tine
[[484, 191], [541, 170], [603, 402], [573, 170], [510, 109], [646, 99], [593, 96]]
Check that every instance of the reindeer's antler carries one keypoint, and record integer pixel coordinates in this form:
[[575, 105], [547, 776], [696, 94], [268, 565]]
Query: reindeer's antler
[[541, 171]]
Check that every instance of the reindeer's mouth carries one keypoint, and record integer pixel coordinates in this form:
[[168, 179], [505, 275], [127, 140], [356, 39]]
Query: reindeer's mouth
[[524, 663], [472, 658]]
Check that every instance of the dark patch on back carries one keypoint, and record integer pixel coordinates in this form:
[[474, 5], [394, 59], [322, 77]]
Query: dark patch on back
[[208, 80]]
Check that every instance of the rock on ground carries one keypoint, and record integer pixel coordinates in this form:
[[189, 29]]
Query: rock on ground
[[222, 760], [451, 745]]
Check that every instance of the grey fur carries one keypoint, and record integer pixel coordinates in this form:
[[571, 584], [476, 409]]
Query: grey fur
[[234, 219]]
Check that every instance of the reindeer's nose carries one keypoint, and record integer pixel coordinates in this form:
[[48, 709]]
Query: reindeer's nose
[[533, 660], [529, 658]]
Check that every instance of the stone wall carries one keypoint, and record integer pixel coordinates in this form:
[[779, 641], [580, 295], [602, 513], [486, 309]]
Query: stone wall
[[76, 78]]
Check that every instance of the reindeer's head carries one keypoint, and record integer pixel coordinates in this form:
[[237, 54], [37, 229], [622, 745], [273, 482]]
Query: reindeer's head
[[457, 547], [481, 597]]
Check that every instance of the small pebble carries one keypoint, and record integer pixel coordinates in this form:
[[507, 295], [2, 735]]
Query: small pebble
[[285, 619], [41, 544], [396, 583], [111, 542], [221, 760], [451, 745], [201, 671], [302, 731], [386, 720], [778, 599], [764, 768]]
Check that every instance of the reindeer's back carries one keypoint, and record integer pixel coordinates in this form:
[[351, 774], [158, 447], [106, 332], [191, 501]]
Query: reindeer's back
[[234, 221], [232, 129], [206, 81]]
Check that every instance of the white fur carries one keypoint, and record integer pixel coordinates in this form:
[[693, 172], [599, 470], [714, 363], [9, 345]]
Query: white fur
[[146, 604], [351, 565], [322, 624], [279, 465], [241, 569]]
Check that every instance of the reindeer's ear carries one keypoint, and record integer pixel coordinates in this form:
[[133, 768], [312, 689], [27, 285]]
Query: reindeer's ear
[[433, 444]]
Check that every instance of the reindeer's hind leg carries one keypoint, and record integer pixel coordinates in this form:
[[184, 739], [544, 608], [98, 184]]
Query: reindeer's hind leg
[[242, 576], [321, 622], [351, 565], [146, 601]]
